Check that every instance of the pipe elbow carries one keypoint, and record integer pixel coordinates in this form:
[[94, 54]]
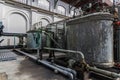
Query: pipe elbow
[[71, 76]]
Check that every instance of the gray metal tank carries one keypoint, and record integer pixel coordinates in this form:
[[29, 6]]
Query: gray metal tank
[[93, 35]]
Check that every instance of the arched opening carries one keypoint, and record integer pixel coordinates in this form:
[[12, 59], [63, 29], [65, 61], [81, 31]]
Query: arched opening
[[45, 4], [16, 23], [73, 13], [61, 10], [20, 27], [43, 22]]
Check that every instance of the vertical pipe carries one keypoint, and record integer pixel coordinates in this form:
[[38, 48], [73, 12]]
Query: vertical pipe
[[38, 53], [14, 42]]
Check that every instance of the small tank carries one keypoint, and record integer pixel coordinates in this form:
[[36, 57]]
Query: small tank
[[93, 35], [34, 39]]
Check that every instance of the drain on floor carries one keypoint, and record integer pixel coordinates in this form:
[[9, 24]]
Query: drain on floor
[[7, 55]]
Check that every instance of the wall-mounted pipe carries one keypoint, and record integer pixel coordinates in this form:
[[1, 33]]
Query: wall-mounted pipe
[[60, 69]]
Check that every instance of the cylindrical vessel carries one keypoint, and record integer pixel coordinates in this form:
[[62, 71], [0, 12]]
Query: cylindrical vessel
[[34, 39], [117, 43], [93, 35]]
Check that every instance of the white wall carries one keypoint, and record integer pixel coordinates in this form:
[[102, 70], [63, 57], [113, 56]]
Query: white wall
[[17, 23], [18, 20]]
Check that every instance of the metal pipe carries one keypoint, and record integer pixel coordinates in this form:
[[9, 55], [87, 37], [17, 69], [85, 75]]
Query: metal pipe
[[69, 73], [97, 70], [50, 65], [104, 72], [14, 34], [10, 47], [66, 51], [63, 71], [68, 69], [14, 42]]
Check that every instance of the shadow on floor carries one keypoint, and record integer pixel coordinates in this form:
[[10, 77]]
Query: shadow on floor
[[37, 71]]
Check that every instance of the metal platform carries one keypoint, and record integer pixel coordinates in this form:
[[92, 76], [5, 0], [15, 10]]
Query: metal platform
[[7, 55]]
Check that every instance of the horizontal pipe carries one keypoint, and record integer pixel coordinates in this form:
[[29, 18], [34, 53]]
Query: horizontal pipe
[[26, 54], [68, 73], [68, 69], [63, 71], [104, 72], [50, 65], [97, 70], [10, 47], [14, 34], [66, 51]]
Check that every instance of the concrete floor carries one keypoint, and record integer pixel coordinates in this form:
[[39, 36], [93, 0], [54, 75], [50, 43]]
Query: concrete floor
[[24, 69]]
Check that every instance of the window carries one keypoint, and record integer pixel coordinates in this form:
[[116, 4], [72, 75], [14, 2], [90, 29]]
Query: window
[[44, 4], [72, 13], [22, 1], [61, 10]]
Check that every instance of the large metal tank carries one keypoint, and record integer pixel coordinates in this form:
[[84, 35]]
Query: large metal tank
[[117, 43], [93, 35]]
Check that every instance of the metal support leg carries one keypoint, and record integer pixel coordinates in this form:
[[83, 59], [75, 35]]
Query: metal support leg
[[86, 75], [41, 57], [52, 56], [39, 54]]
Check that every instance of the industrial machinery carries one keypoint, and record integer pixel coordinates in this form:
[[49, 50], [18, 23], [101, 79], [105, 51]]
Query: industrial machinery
[[59, 31], [90, 44], [21, 37], [89, 47]]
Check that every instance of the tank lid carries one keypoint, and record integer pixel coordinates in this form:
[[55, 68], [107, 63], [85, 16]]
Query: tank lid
[[89, 17]]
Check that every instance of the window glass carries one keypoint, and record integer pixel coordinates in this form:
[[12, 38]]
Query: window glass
[[22, 1], [72, 13], [44, 4], [61, 10]]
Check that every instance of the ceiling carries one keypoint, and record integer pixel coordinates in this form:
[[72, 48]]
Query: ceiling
[[78, 3]]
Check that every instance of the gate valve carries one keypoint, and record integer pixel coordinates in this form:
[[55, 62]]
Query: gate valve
[[117, 23]]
